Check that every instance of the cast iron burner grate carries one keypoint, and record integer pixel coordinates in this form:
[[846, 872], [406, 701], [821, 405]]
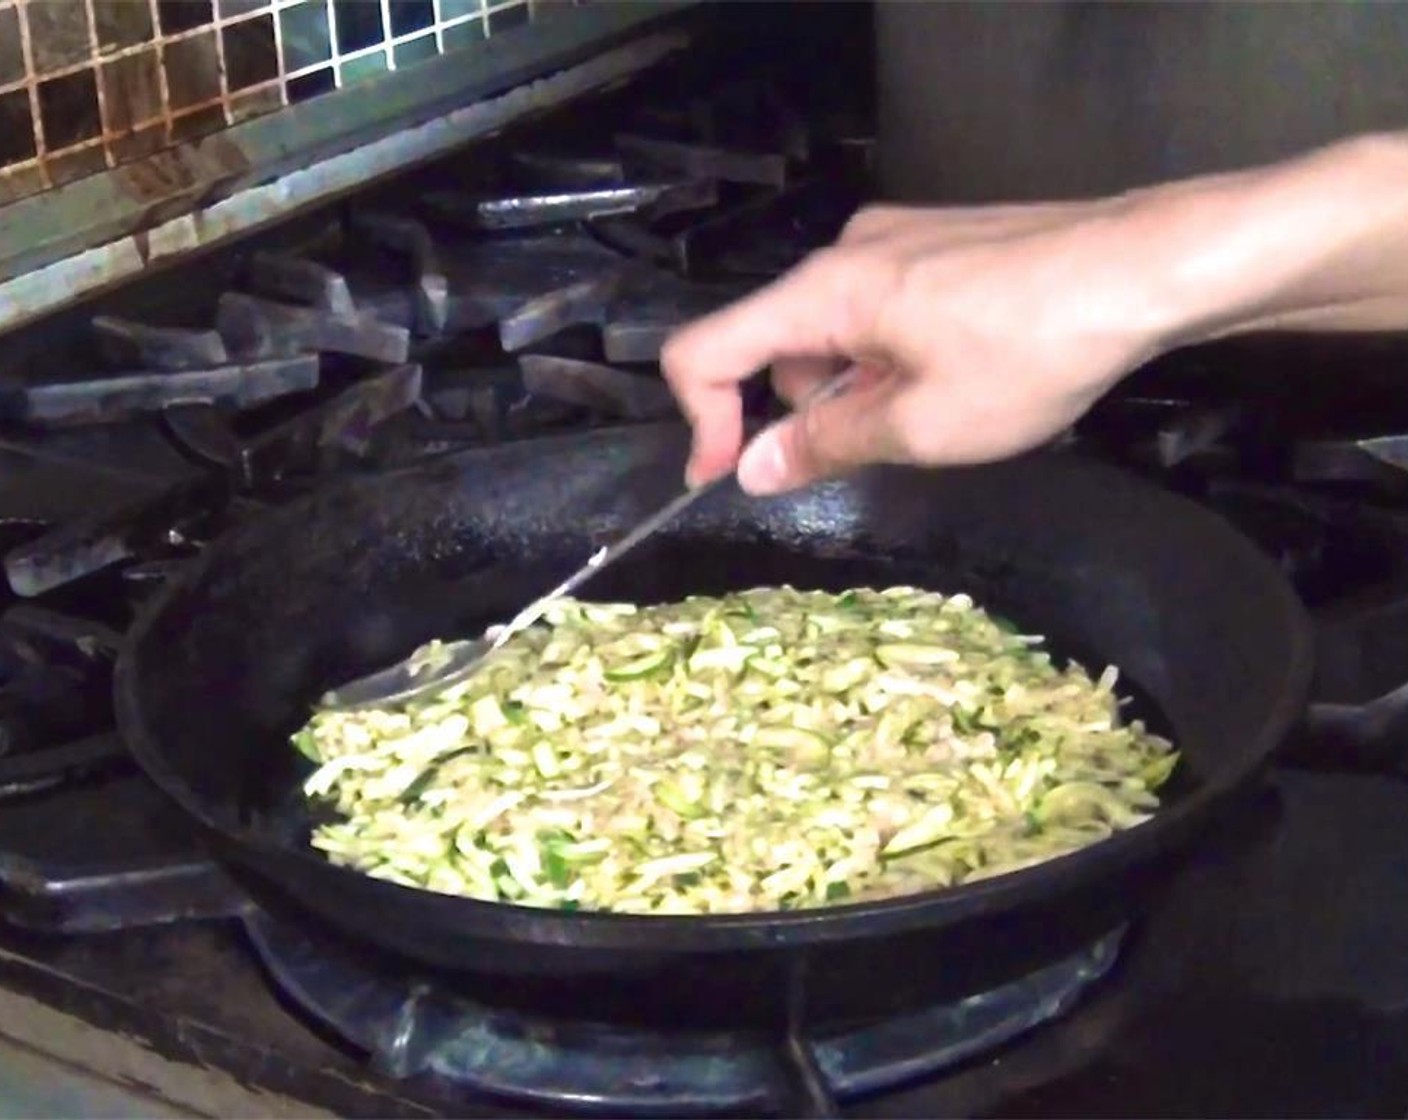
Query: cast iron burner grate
[[525, 288], [411, 1025]]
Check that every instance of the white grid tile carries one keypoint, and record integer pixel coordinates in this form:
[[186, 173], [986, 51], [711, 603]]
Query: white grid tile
[[451, 23]]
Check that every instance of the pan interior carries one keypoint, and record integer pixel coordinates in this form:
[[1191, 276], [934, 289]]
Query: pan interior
[[1110, 570], [678, 565]]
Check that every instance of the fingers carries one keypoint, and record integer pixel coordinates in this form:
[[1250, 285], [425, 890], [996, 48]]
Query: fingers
[[717, 436], [706, 361], [794, 379], [952, 226], [824, 439], [871, 222]]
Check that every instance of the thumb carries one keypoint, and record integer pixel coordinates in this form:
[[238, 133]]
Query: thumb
[[821, 440]]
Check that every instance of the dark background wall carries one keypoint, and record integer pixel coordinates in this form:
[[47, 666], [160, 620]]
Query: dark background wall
[[999, 100]]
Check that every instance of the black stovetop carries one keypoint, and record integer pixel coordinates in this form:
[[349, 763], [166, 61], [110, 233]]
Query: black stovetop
[[1269, 981], [1270, 978]]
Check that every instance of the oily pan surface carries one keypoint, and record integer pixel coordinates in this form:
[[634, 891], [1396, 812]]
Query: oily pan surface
[[224, 664]]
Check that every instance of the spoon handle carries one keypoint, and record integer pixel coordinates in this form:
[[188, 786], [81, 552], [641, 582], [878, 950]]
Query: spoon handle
[[611, 553]]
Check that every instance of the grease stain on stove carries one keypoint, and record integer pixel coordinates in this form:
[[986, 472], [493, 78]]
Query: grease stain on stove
[[256, 104], [110, 1075], [139, 144], [72, 166], [172, 182], [192, 126], [34, 1085]]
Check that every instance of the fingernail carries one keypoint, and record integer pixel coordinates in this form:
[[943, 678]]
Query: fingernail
[[763, 467]]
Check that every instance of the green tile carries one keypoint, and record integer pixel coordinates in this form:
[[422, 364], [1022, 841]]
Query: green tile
[[417, 50], [464, 34], [452, 9], [121, 23], [11, 56], [367, 66], [506, 17], [306, 38], [58, 34], [310, 85]]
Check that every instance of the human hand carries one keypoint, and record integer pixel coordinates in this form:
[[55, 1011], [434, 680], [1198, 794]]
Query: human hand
[[979, 332]]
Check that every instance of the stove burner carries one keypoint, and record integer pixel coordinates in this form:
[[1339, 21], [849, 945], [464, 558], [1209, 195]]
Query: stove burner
[[411, 1025], [288, 277], [1327, 548], [702, 161], [89, 544], [109, 855], [319, 437], [410, 240], [584, 301], [605, 389], [649, 308], [1374, 459], [25, 775], [172, 349], [55, 689], [527, 211], [109, 398], [270, 329]]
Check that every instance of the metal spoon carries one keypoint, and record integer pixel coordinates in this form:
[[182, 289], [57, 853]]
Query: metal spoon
[[421, 675]]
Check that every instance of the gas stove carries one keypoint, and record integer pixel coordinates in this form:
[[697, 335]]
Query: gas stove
[[524, 288]]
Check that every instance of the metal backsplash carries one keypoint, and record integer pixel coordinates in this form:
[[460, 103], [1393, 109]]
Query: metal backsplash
[[132, 130]]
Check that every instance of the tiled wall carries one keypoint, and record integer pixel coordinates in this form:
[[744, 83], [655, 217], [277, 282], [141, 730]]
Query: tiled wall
[[90, 84]]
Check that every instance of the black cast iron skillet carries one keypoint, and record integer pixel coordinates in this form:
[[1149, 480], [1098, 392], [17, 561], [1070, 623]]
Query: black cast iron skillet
[[225, 663]]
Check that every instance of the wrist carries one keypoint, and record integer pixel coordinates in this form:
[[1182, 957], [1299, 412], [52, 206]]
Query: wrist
[[1300, 243]]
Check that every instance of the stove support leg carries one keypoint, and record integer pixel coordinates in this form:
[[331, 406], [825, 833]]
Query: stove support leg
[[808, 1095]]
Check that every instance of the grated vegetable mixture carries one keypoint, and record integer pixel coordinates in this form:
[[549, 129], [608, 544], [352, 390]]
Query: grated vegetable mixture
[[770, 749]]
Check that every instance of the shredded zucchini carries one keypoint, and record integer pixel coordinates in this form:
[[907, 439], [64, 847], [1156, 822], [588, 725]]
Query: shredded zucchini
[[771, 749]]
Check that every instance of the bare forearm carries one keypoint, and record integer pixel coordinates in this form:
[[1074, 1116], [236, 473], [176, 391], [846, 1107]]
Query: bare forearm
[[1316, 243], [984, 331]]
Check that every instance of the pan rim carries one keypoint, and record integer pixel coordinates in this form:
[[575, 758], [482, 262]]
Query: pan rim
[[614, 931]]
